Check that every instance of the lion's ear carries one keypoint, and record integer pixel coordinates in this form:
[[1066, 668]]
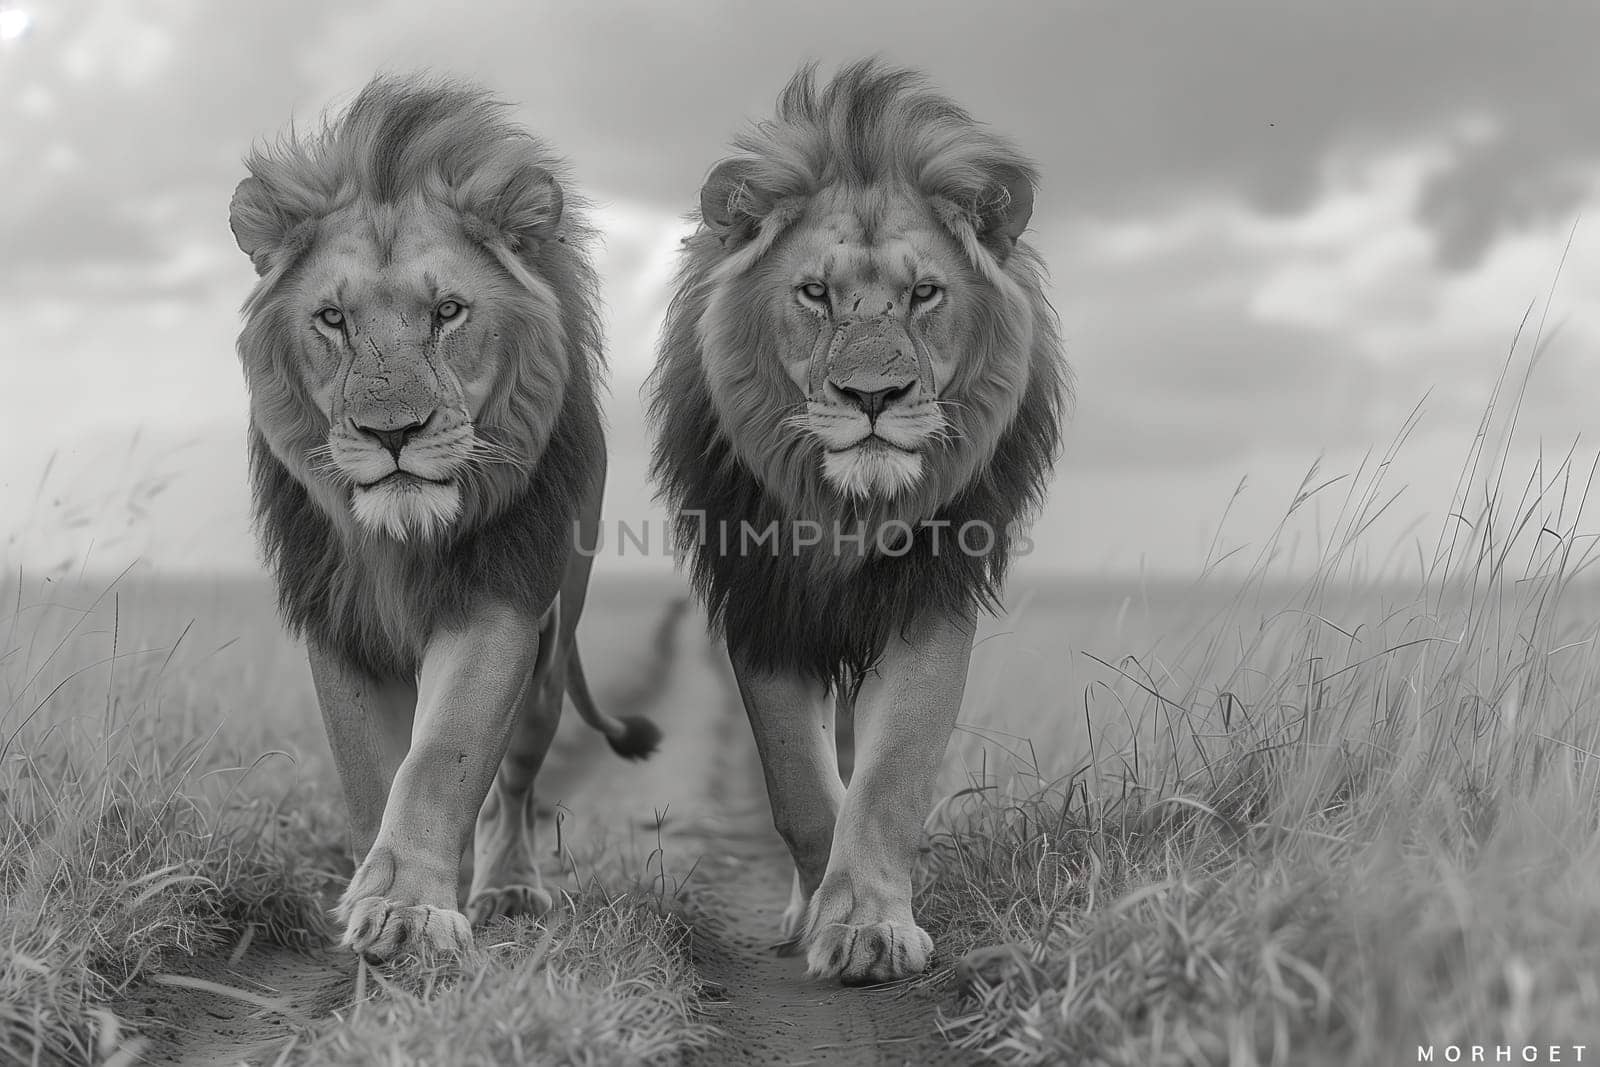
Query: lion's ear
[[731, 205], [525, 210], [257, 222], [1006, 209]]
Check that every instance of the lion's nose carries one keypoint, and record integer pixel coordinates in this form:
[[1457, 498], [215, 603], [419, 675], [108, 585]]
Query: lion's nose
[[875, 401], [394, 438]]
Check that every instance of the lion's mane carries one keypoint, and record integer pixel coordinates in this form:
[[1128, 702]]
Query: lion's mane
[[819, 612], [375, 600]]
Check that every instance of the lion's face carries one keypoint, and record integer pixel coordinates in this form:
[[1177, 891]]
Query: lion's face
[[410, 343], [870, 294], [900, 352], [397, 342]]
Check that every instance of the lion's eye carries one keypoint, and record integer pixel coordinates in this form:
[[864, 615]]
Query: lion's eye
[[332, 318], [450, 309], [925, 292], [815, 292]]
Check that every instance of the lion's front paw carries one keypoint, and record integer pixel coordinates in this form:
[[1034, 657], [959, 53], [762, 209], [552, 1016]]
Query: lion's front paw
[[382, 929], [509, 902], [861, 954], [860, 939], [392, 910]]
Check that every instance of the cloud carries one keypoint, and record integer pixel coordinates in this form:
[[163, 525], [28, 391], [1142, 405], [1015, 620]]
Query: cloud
[[1214, 331], [1130, 110], [636, 259]]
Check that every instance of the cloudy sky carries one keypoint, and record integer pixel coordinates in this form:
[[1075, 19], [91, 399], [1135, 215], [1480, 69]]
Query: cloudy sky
[[1273, 229]]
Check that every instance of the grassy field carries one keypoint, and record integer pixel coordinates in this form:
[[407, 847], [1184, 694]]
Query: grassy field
[[165, 791], [1342, 819], [1335, 817]]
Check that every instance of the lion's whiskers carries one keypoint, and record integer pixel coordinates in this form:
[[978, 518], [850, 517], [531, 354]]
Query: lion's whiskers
[[948, 431], [319, 460], [482, 453], [798, 420]]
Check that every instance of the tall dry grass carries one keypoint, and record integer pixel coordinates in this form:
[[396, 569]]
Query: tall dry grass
[[1347, 817], [127, 832]]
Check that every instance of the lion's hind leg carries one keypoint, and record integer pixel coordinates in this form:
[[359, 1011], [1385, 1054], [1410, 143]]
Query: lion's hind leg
[[505, 870], [368, 723]]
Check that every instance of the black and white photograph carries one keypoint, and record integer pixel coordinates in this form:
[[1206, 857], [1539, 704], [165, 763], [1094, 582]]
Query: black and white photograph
[[1041, 532]]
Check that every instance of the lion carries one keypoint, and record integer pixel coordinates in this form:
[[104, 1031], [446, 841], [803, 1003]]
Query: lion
[[422, 352], [857, 404]]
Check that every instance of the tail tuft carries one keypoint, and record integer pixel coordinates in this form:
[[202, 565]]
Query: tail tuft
[[639, 739]]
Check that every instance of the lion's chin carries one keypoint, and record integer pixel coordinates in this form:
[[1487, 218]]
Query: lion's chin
[[405, 507], [872, 468]]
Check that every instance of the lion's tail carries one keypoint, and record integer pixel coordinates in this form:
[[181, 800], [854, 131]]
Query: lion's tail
[[630, 736]]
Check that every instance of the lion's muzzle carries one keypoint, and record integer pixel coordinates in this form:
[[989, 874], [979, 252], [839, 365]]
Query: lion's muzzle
[[873, 406], [400, 434], [394, 438], [871, 365]]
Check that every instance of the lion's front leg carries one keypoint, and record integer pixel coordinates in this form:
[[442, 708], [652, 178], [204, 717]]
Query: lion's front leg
[[859, 927], [402, 899], [792, 722]]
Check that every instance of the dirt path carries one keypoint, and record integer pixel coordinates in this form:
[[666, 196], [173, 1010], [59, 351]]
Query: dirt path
[[708, 779], [209, 1012], [707, 782]]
